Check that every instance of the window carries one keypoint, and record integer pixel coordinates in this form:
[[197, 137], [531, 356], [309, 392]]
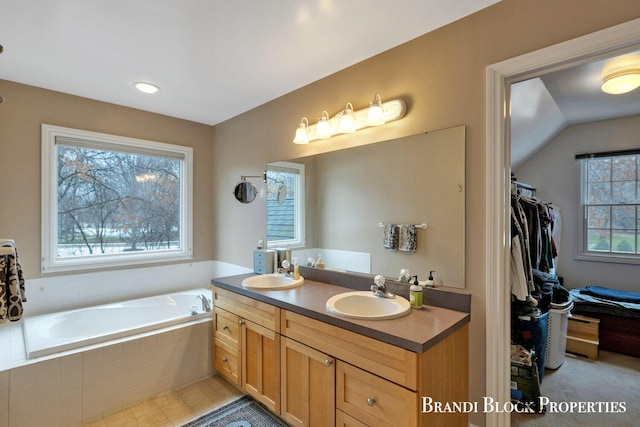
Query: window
[[611, 200], [109, 200], [285, 204]]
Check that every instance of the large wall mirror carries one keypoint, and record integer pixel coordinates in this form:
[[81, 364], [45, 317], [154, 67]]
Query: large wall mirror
[[349, 193]]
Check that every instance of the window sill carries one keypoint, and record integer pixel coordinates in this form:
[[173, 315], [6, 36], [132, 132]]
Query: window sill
[[613, 259], [101, 262]]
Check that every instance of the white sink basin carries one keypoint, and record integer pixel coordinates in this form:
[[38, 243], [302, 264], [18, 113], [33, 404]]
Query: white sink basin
[[365, 305], [272, 281]]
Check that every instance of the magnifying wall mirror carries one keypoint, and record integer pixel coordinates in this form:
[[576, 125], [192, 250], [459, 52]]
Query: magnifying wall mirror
[[245, 192]]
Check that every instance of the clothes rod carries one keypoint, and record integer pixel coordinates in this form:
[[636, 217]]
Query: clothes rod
[[423, 226]]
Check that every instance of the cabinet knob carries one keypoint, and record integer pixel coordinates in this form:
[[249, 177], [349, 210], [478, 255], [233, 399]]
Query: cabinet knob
[[241, 322], [225, 328], [371, 401], [328, 363], [225, 360]]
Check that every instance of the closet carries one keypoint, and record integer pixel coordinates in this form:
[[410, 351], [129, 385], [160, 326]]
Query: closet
[[535, 287]]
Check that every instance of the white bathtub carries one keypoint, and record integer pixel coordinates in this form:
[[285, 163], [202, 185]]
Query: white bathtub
[[67, 330]]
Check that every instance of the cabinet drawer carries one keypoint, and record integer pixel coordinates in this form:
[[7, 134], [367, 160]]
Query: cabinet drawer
[[583, 327], [346, 420], [256, 311], [373, 400], [226, 327], [386, 360], [226, 360]]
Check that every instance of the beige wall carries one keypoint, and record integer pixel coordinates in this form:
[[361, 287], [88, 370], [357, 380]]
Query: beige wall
[[442, 76], [25, 108], [556, 175]]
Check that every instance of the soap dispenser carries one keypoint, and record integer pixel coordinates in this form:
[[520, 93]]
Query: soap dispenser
[[415, 294], [430, 281], [319, 263]]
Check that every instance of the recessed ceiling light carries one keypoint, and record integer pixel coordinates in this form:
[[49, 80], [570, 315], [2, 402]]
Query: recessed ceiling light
[[146, 87]]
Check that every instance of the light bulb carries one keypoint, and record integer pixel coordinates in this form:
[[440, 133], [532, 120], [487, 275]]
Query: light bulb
[[323, 127], [347, 122], [302, 136], [376, 114]]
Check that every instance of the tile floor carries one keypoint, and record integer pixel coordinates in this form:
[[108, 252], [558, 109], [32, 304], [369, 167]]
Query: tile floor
[[175, 408]]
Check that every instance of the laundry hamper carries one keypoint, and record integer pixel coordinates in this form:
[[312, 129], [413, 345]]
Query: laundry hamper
[[557, 325]]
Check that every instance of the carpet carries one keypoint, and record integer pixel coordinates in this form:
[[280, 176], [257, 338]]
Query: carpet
[[612, 377], [244, 412]]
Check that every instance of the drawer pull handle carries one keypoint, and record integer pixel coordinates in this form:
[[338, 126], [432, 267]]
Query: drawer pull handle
[[225, 328], [241, 322], [328, 363], [225, 360], [371, 401]]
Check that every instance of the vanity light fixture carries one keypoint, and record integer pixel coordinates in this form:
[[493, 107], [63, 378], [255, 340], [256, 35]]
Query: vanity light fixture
[[621, 82], [302, 134], [146, 87], [347, 120], [323, 127], [375, 116]]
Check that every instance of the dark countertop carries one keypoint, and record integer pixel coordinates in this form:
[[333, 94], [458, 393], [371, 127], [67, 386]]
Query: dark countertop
[[417, 332]]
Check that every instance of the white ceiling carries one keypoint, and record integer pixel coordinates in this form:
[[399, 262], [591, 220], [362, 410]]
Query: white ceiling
[[212, 59], [542, 107]]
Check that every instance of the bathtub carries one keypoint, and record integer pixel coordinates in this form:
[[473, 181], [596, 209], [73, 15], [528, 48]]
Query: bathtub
[[67, 330]]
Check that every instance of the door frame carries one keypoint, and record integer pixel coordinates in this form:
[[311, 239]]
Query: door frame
[[499, 78]]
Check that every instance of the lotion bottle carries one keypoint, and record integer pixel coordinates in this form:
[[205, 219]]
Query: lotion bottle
[[415, 294], [430, 282], [296, 269]]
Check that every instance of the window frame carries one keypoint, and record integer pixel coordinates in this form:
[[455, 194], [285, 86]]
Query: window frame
[[299, 225], [583, 235], [50, 262]]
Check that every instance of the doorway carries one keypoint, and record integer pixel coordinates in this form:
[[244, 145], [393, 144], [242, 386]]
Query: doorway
[[500, 76]]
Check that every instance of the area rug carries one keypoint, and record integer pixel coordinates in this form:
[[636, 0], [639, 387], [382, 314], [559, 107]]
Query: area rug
[[244, 412]]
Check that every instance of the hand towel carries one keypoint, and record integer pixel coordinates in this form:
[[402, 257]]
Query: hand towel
[[391, 237], [407, 241], [12, 293]]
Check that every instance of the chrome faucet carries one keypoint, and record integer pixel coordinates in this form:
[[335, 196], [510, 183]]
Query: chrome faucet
[[286, 268], [379, 289], [206, 303]]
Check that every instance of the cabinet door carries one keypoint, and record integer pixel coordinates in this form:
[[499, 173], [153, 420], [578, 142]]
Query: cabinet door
[[261, 364], [308, 385]]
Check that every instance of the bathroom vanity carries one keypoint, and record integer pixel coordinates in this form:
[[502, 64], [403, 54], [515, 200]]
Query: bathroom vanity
[[313, 368]]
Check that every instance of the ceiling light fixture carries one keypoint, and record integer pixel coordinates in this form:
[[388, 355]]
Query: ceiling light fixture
[[620, 82], [146, 87], [302, 134], [348, 121]]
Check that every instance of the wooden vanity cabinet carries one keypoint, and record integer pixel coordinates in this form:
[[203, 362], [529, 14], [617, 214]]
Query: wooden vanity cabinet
[[313, 373], [247, 345], [379, 384]]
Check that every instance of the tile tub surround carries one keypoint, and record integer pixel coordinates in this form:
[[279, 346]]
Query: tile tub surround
[[417, 332], [74, 388]]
